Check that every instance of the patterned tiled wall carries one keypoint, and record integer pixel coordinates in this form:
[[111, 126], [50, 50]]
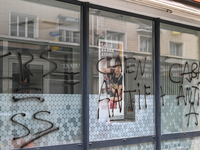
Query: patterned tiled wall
[[65, 113]]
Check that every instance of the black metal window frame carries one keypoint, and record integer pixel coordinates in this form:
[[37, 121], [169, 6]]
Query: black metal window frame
[[157, 138]]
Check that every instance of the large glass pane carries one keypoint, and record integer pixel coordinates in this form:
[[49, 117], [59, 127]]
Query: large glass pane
[[40, 95], [121, 78], [181, 144], [180, 62], [143, 146], [37, 20]]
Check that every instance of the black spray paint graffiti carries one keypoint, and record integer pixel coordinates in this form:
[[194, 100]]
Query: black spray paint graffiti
[[8, 54], [162, 95], [119, 101], [21, 88], [12, 119], [192, 72], [26, 98], [39, 99], [34, 116], [21, 67], [127, 70], [25, 65], [42, 57], [128, 67], [41, 133], [116, 92], [191, 75], [146, 93], [21, 75]]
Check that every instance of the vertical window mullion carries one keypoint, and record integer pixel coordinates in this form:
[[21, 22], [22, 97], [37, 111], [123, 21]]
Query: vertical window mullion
[[85, 73], [156, 38]]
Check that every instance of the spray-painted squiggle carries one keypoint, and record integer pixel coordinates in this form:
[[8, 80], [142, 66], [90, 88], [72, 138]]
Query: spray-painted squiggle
[[25, 65], [12, 119], [41, 56], [10, 78], [34, 116], [25, 98]]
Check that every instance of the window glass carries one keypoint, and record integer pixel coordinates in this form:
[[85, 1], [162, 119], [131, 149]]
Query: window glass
[[180, 64], [29, 23], [181, 144], [40, 95], [143, 146], [121, 78]]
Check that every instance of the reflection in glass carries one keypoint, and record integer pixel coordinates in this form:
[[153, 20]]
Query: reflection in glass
[[121, 76], [189, 144], [143, 146], [40, 95], [179, 79]]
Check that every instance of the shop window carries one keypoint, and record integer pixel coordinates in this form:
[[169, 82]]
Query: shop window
[[69, 36], [121, 85], [145, 44], [176, 49], [23, 25], [40, 79], [178, 82]]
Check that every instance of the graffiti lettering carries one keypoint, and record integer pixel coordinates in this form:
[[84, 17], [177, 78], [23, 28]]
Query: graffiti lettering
[[20, 66], [25, 65], [129, 66], [34, 116], [130, 97], [128, 69], [25, 98], [41, 133], [12, 119], [10, 78], [191, 74], [142, 70], [146, 93], [41, 56], [162, 95]]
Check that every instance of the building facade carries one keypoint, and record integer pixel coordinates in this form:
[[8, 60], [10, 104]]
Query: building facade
[[88, 75]]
